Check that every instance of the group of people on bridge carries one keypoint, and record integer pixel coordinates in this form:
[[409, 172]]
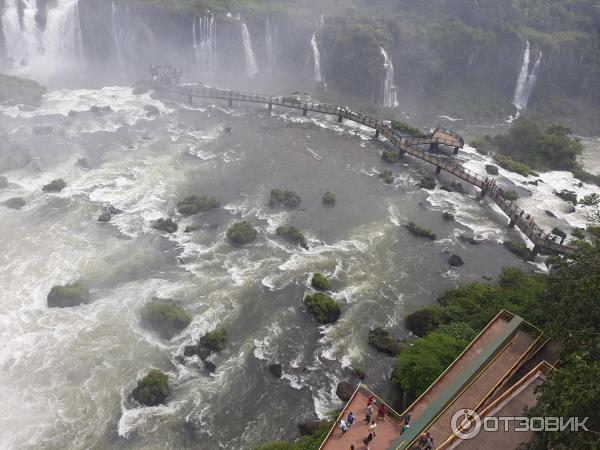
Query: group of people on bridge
[[165, 74]]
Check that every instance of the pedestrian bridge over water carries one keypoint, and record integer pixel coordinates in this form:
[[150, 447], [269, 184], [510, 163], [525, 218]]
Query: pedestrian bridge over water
[[416, 147]]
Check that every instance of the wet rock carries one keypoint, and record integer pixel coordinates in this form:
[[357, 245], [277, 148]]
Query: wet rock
[[151, 110], [210, 366], [166, 225], [558, 232], [310, 427], [228, 129], [14, 203], [468, 240], [104, 217], [421, 322], [108, 212], [190, 350], [190, 229], [491, 169], [383, 341], [140, 89], [98, 109], [153, 389], [43, 130], [72, 113], [68, 296], [427, 183], [164, 318], [345, 390], [445, 188], [569, 209], [550, 214], [275, 370], [456, 261], [203, 352], [54, 186], [518, 248], [83, 163]]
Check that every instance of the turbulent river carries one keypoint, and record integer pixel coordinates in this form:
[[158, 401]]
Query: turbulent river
[[66, 374]]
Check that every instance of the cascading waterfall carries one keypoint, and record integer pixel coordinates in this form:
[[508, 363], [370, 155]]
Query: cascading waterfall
[[388, 90], [42, 51], [117, 34], [251, 68], [317, 58], [527, 79], [204, 33], [271, 43]]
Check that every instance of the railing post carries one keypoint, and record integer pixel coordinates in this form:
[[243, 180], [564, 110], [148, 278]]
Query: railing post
[[304, 112], [433, 146], [340, 118], [438, 170], [230, 103], [455, 151], [270, 107], [376, 133], [190, 101]]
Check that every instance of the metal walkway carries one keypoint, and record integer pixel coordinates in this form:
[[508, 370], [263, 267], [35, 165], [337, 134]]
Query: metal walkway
[[542, 241]]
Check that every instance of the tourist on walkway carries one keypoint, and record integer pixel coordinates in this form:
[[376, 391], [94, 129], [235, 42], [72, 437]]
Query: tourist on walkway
[[343, 426], [429, 445], [368, 414], [406, 418], [423, 439], [373, 428], [381, 411], [370, 399], [367, 440], [350, 419]]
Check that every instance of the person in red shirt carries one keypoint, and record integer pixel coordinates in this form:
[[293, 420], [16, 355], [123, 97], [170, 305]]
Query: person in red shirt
[[381, 411], [370, 399]]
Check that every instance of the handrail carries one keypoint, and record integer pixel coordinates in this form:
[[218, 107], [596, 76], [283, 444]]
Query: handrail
[[404, 144]]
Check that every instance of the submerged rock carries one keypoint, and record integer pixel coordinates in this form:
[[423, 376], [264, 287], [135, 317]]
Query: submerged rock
[[228, 129], [15, 203], [275, 370], [286, 199], [345, 390], [292, 234], [151, 110], [469, 240], [108, 212], [456, 261], [68, 296]]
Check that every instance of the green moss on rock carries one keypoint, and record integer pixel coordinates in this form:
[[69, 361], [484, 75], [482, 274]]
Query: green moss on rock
[[55, 186], [153, 389], [328, 198], [491, 169], [390, 156], [165, 318], [286, 199], [68, 295], [241, 233], [518, 248], [427, 182], [510, 195], [383, 341], [320, 281], [322, 307], [387, 176], [167, 225], [420, 232], [292, 234], [193, 205], [215, 340]]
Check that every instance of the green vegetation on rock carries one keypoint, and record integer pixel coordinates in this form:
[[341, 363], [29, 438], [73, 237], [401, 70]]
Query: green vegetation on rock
[[241, 233], [390, 156], [387, 176], [292, 234], [286, 199], [491, 169], [167, 225], [153, 389], [328, 198], [320, 281], [420, 232], [54, 186], [404, 128], [68, 295], [448, 216], [215, 340], [382, 340], [166, 318], [518, 248], [512, 166], [427, 182], [510, 195], [322, 307], [193, 205]]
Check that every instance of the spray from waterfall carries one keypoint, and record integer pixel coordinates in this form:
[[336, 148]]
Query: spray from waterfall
[[117, 35], [388, 93], [527, 79], [271, 33], [251, 68], [42, 51], [317, 58], [204, 35]]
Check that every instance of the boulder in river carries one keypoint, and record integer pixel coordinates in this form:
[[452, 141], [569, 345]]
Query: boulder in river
[[322, 307], [456, 261], [275, 370], [108, 212], [345, 390], [14, 203], [68, 295], [310, 426], [153, 389], [54, 186], [241, 233], [151, 110], [210, 366], [427, 182], [421, 322], [167, 225], [164, 317], [383, 341], [550, 214]]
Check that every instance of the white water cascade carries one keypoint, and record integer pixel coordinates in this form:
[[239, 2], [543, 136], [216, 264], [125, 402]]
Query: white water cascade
[[527, 79], [40, 52], [251, 68], [388, 94], [117, 35], [271, 33], [317, 58], [204, 33]]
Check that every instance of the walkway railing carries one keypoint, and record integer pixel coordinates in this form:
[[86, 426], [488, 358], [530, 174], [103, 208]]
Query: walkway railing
[[404, 144]]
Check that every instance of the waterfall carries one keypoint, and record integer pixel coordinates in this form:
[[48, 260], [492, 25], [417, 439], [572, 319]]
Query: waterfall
[[117, 34], [317, 58], [271, 43], [204, 34], [251, 68], [527, 79], [388, 90], [42, 51]]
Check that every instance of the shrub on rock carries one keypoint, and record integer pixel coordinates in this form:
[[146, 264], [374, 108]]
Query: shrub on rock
[[153, 389], [193, 205], [328, 198], [320, 281], [387, 177], [491, 169], [420, 232], [383, 341], [287, 199], [54, 186], [359, 372], [292, 234], [390, 156], [166, 319], [518, 248], [166, 225], [68, 295], [322, 307], [214, 340], [241, 233], [15, 203], [510, 195]]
